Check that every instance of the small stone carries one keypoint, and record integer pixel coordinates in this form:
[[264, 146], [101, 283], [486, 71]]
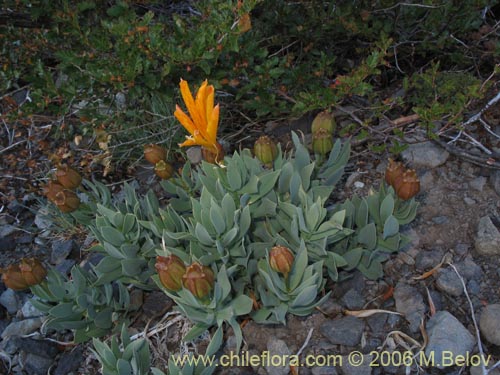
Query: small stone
[[469, 201], [194, 155], [376, 322], [437, 299], [136, 299], [478, 183], [359, 185], [37, 365], [495, 181], [468, 269], [352, 178], [7, 230], [156, 304], [425, 155], [61, 250], [448, 282], [439, 220], [7, 244], [65, 266], [488, 237], [477, 370], [489, 323], [331, 307], [42, 219], [447, 335], [278, 349], [69, 361], [23, 327], [30, 311], [344, 331], [360, 367], [473, 287], [42, 348], [427, 181], [324, 370], [428, 259], [10, 300], [462, 249], [410, 303], [353, 300]]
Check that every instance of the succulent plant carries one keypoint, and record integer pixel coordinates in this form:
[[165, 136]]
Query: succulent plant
[[281, 259], [199, 280], [170, 270], [322, 142], [68, 177], [154, 153]]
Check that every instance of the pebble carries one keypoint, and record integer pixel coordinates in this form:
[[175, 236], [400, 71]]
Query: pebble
[[359, 185], [42, 219], [23, 327], [349, 368], [426, 260], [488, 237], [447, 334], [7, 230], [331, 307], [156, 304], [410, 303], [462, 249], [353, 300], [469, 269], [478, 183], [42, 348], [194, 155], [10, 300], [278, 349], [343, 331], [30, 311], [489, 323], [469, 201], [448, 282], [65, 266], [61, 250], [324, 370], [69, 361], [473, 287], [37, 365], [439, 220], [477, 370], [425, 155], [495, 181]]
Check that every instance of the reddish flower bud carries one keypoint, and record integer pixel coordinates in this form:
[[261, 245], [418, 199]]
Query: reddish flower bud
[[199, 280], [213, 155], [323, 120], [33, 271], [13, 278], [170, 270], [265, 150], [155, 153], [51, 189], [407, 185], [164, 170], [68, 177], [322, 142], [67, 201], [393, 171], [281, 259]]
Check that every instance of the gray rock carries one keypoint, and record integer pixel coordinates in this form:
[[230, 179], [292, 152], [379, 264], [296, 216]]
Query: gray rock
[[194, 155], [36, 365], [324, 370], [426, 260], [279, 349], [42, 219], [30, 311], [478, 183], [61, 250], [495, 181], [344, 331], [425, 155], [447, 335], [469, 201], [427, 181], [65, 266], [331, 307], [69, 361], [468, 269], [7, 244], [437, 299], [353, 300], [448, 282], [42, 348], [3, 324], [473, 287], [10, 300], [488, 237], [410, 303], [348, 368], [489, 323], [23, 327], [376, 322], [477, 370], [439, 220], [7, 230], [462, 249]]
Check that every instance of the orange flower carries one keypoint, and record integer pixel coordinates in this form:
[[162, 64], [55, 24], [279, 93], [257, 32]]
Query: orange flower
[[203, 118]]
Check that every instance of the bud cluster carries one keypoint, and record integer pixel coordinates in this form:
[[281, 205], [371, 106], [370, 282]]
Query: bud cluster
[[404, 181], [322, 129], [28, 272], [60, 190], [174, 275], [265, 150], [157, 156]]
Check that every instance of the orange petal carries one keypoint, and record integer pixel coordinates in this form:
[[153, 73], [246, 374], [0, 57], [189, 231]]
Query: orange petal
[[201, 101], [209, 101], [194, 141], [213, 124], [184, 120], [190, 103]]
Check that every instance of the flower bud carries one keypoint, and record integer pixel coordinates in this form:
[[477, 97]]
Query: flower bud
[[323, 120], [213, 155], [265, 150], [164, 170], [170, 270], [199, 280], [322, 142], [154, 153], [68, 177], [67, 201], [13, 278], [281, 259], [393, 171], [51, 189], [407, 185], [32, 271]]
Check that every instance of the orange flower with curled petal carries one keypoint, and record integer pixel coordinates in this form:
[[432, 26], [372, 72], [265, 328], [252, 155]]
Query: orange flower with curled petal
[[203, 118]]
